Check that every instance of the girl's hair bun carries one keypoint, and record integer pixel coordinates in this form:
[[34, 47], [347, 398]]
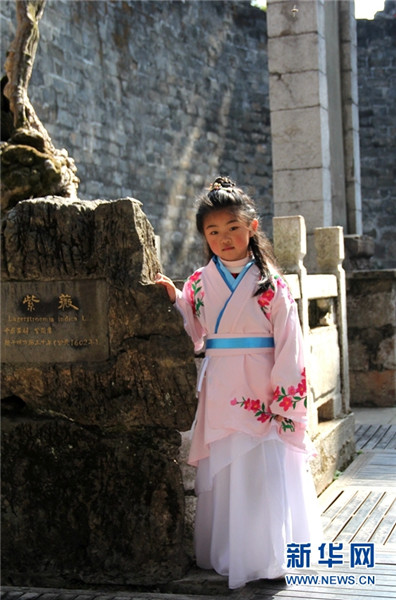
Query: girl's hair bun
[[221, 183]]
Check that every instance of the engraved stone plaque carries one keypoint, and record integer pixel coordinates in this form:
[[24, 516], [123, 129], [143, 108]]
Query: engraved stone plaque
[[54, 321]]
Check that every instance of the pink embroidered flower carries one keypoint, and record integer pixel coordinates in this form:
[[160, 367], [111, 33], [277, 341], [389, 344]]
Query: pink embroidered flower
[[255, 405], [265, 300], [190, 292], [277, 393], [282, 284], [264, 417], [293, 395], [195, 276], [286, 403], [302, 387], [246, 404], [195, 292], [266, 297]]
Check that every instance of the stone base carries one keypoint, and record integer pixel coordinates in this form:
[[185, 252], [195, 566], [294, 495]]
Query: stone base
[[335, 444]]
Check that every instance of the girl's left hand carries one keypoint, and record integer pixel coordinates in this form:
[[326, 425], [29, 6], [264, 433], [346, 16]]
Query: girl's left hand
[[168, 285]]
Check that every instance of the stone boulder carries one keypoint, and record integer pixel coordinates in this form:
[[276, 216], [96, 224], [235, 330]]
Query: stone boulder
[[98, 378]]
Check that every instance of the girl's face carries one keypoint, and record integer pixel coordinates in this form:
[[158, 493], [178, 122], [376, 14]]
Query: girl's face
[[227, 235]]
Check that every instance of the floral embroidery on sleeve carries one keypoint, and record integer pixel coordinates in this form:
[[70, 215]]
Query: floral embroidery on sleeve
[[195, 292], [266, 297], [264, 300], [261, 413], [293, 395]]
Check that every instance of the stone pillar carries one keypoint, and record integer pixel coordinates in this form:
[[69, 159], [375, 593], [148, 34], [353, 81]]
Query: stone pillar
[[290, 247], [350, 115], [299, 111], [313, 136]]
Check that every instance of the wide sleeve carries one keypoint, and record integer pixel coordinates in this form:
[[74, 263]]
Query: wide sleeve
[[189, 302], [288, 373]]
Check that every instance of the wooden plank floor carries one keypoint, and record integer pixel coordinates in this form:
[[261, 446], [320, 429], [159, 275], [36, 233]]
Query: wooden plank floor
[[360, 507], [375, 437]]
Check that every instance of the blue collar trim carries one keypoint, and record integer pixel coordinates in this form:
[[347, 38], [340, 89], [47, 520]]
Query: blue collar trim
[[232, 282]]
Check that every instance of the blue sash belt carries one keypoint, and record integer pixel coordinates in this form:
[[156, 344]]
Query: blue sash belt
[[242, 342], [225, 343]]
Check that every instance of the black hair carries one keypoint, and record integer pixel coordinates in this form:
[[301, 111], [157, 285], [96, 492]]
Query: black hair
[[223, 194]]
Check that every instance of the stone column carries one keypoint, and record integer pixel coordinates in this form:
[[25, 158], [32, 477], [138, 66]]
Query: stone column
[[313, 136], [290, 247], [350, 115], [299, 111]]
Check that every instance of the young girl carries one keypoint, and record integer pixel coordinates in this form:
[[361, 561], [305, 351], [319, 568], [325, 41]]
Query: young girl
[[255, 494]]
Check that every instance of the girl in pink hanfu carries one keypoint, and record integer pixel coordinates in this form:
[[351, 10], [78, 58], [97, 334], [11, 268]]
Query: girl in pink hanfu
[[255, 492]]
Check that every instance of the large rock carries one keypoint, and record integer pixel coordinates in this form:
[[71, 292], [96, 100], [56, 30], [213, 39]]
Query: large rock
[[98, 379], [79, 505]]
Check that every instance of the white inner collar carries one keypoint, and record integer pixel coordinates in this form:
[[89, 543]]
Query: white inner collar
[[236, 266]]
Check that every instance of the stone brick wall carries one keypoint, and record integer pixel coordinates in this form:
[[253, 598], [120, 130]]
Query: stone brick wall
[[371, 298], [377, 116], [154, 99]]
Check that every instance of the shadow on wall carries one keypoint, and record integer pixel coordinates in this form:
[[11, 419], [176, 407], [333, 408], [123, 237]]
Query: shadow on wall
[[228, 133]]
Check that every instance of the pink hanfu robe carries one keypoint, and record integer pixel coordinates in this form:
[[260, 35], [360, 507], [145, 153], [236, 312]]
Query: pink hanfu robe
[[255, 493]]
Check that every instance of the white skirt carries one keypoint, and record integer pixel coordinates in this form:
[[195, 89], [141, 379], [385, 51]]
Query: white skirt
[[254, 497]]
